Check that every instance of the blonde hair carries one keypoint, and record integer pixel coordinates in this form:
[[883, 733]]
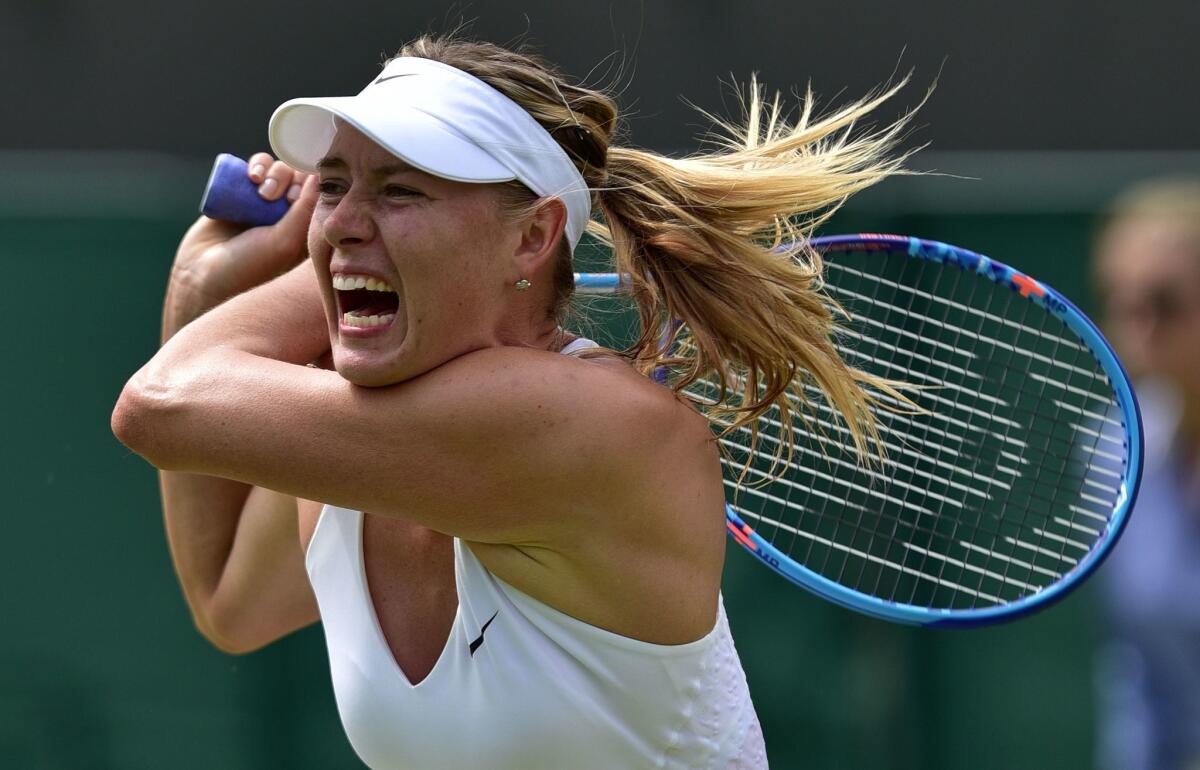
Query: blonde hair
[[1172, 198], [716, 243]]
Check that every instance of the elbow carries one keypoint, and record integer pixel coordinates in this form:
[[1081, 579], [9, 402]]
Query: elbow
[[127, 420], [139, 419], [225, 644], [225, 635]]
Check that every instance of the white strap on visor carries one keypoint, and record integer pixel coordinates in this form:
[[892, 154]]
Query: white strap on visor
[[445, 122]]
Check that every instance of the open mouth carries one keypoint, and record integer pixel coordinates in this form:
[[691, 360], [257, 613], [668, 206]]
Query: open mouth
[[364, 301]]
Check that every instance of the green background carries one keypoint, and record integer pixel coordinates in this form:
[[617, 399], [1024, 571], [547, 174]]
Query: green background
[[100, 666], [1048, 108]]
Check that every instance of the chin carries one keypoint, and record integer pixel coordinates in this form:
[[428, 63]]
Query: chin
[[366, 375], [374, 369], [372, 361], [368, 380], [361, 367]]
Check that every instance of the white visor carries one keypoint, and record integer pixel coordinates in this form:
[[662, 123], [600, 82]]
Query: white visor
[[445, 122]]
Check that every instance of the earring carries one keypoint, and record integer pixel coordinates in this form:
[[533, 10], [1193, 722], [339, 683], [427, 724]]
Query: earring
[[522, 285]]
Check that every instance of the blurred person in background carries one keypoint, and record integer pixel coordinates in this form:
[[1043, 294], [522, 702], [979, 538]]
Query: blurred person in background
[[1147, 273]]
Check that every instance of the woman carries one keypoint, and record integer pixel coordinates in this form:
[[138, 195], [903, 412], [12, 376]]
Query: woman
[[1147, 273], [514, 539]]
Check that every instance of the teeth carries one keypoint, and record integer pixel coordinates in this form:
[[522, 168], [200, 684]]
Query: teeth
[[344, 282], [350, 319]]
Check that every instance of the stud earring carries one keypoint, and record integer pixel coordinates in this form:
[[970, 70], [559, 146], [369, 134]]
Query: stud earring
[[522, 285]]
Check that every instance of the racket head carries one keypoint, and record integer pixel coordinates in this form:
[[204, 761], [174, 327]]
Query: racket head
[[1056, 562]]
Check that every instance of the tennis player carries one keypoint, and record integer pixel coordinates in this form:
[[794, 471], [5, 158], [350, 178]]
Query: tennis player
[[514, 539]]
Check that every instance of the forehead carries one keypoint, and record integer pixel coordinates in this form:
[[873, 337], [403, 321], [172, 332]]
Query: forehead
[[352, 148], [354, 153]]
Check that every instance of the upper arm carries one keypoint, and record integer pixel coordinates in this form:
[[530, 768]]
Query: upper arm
[[490, 446]]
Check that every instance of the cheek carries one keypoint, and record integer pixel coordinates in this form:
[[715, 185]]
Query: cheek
[[318, 248], [485, 236]]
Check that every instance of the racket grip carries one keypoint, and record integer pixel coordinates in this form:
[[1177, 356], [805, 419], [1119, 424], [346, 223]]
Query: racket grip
[[231, 196]]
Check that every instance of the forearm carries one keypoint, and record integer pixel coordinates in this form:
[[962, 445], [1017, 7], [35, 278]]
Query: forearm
[[202, 513], [185, 301], [236, 550], [200, 516], [283, 319]]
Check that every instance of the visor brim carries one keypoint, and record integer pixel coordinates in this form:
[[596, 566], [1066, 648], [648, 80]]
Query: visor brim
[[302, 131]]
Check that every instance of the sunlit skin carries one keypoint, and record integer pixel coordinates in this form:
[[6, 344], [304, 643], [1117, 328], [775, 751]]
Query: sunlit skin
[[444, 248]]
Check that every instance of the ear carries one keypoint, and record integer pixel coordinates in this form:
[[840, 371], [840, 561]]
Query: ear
[[540, 233]]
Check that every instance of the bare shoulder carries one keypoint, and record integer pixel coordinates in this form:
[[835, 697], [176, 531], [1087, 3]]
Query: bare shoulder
[[612, 437], [648, 402], [668, 453], [654, 526], [600, 390]]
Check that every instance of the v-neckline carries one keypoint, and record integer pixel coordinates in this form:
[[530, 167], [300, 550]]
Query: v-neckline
[[381, 639]]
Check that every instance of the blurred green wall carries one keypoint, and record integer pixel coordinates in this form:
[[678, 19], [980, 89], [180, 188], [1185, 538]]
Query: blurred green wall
[[100, 666]]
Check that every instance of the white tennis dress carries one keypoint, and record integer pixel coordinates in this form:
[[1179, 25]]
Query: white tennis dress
[[522, 686]]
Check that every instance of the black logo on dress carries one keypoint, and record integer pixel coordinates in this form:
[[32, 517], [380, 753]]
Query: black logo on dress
[[475, 645]]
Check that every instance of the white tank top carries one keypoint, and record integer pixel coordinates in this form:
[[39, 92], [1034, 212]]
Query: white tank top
[[522, 686]]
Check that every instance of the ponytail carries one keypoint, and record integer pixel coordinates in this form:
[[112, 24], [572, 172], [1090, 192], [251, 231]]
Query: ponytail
[[717, 245]]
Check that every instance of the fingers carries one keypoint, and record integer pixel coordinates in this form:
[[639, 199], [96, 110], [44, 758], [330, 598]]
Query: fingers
[[259, 163], [278, 180], [299, 184], [275, 178]]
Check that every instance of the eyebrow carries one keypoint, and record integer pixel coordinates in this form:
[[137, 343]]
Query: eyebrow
[[334, 163]]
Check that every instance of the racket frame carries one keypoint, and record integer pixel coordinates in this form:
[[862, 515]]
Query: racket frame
[[1053, 303]]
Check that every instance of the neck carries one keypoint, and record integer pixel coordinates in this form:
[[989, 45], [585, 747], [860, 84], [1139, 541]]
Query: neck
[[545, 334]]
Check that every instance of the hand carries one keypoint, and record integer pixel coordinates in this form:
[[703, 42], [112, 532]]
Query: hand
[[218, 260]]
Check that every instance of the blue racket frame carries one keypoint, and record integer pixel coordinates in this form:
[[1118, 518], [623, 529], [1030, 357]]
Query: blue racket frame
[[231, 196], [1032, 290]]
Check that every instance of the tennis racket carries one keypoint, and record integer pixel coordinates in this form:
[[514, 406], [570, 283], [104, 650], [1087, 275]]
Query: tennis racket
[[1003, 493]]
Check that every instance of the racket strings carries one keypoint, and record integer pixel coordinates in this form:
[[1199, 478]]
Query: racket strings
[[969, 416], [799, 489], [1008, 557], [999, 488]]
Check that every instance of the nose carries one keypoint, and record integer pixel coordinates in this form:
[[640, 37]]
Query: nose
[[349, 223]]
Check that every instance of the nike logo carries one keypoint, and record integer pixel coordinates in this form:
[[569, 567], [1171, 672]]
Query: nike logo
[[475, 645], [393, 77]]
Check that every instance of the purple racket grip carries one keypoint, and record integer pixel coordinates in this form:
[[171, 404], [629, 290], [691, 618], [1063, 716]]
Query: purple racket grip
[[231, 196]]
